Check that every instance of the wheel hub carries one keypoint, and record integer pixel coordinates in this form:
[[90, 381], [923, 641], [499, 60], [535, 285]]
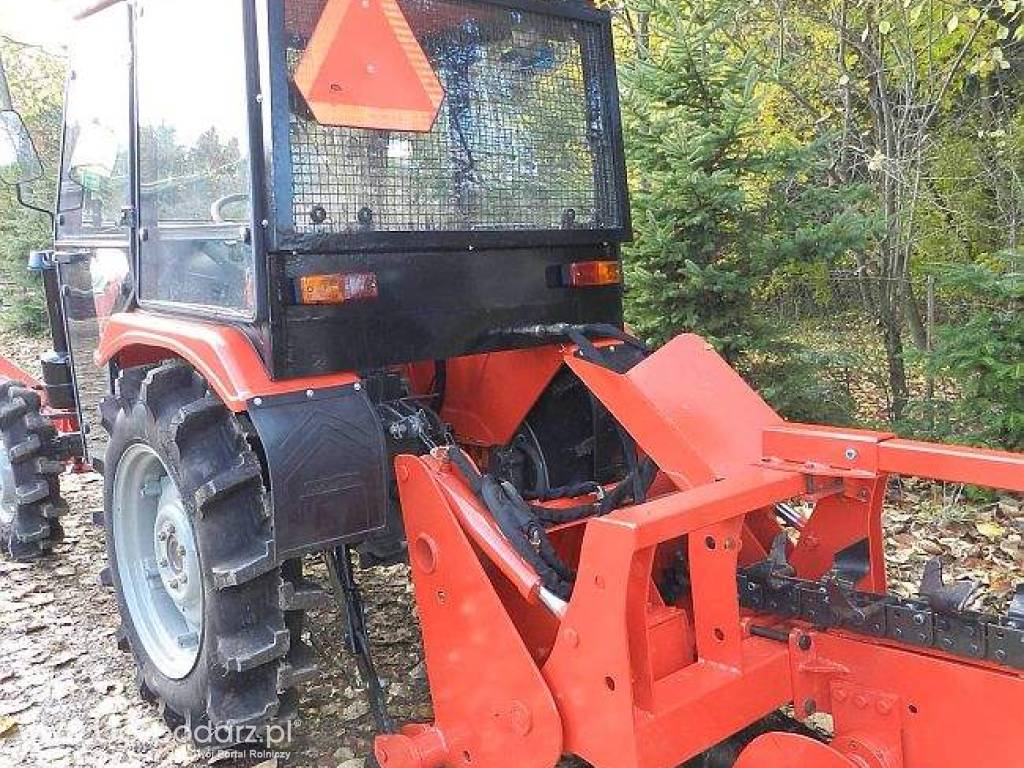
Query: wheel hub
[[176, 553], [157, 561]]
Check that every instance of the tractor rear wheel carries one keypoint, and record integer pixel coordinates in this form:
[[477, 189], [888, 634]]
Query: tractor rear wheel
[[214, 623], [30, 465]]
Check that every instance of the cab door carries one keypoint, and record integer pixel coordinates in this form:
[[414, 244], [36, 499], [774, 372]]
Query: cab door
[[95, 219]]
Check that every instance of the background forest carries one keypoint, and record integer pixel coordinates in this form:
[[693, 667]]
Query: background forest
[[830, 190]]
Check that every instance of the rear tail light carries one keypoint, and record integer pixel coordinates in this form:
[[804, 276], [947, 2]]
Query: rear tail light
[[336, 289], [586, 274]]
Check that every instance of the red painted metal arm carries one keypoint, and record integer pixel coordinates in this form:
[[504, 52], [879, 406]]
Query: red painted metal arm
[[953, 463], [829, 450], [480, 527], [688, 511], [8, 370]]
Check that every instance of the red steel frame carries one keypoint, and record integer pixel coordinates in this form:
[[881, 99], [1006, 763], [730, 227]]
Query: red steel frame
[[625, 681], [618, 677]]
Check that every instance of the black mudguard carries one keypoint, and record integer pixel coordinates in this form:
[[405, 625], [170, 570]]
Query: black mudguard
[[326, 454]]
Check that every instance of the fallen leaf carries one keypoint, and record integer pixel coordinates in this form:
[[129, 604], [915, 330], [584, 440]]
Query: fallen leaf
[[991, 530]]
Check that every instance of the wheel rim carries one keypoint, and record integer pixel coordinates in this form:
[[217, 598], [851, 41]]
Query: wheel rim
[[8, 498], [157, 561]]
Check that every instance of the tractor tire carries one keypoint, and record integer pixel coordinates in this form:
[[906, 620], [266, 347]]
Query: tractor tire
[[30, 466], [213, 622]]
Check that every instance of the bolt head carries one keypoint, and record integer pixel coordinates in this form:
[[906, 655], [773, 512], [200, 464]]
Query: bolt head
[[850, 454], [162, 535], [162, 562], [183, 579]]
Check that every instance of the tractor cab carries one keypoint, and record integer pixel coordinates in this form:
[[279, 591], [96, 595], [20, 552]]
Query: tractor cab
[[356, 183]]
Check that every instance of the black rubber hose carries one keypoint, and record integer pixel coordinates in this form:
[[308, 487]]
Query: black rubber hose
[[440, 385], [527, 536], [564, 491], [615, 498]]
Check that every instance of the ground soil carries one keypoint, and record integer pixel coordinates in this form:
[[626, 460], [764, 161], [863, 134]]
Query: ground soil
[[68, 698]]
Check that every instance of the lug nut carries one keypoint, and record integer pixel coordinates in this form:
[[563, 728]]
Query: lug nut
[[162, 562]]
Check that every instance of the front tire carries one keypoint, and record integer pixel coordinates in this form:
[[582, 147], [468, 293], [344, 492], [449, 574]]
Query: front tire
[[30, 465], [214, 623]]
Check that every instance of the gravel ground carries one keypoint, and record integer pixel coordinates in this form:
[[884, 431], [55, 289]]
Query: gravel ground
[[67, 695]]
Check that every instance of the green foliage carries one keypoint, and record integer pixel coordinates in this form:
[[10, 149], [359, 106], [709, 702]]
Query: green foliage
[[722, 212], [803, 384], [36, 82], [983, 354], [22, 306]]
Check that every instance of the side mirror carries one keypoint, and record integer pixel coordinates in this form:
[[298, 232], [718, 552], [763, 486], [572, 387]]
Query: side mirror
[[19, 161]]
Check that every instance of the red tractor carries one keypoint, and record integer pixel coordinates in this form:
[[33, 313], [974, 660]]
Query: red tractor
[[343, 277]]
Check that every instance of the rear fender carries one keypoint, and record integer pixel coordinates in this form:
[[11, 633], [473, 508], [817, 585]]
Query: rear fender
[[322, 438], [221, 353]]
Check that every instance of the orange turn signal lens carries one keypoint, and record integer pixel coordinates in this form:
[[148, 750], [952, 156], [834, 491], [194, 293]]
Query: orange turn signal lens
[[585, 274], [336, 289]]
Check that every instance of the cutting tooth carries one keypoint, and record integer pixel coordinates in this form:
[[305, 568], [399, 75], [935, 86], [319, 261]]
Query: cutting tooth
[[1017, 604], [779, 556], [948, 598], [852, 565]]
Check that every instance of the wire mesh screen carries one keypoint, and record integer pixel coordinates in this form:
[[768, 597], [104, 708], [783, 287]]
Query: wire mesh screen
[[523, 139]]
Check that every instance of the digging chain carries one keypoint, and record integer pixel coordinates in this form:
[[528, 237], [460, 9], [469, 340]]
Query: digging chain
[[915, 622]]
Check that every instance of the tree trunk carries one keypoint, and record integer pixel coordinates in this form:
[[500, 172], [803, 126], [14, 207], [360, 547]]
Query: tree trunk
[[895, 359], [912, 312]]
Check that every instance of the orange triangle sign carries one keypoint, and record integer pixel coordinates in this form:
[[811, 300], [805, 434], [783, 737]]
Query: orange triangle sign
[[363, 68]]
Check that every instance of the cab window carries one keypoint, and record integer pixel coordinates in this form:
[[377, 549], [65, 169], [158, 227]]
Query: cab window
[[194, 155], [95, 171]]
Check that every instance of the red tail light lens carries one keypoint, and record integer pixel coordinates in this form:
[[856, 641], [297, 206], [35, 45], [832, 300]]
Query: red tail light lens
[[336, 289]]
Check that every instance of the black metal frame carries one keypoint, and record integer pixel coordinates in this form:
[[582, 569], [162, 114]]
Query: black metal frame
[[259, 317], [278, 181], [272, 326], [81, 243]]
